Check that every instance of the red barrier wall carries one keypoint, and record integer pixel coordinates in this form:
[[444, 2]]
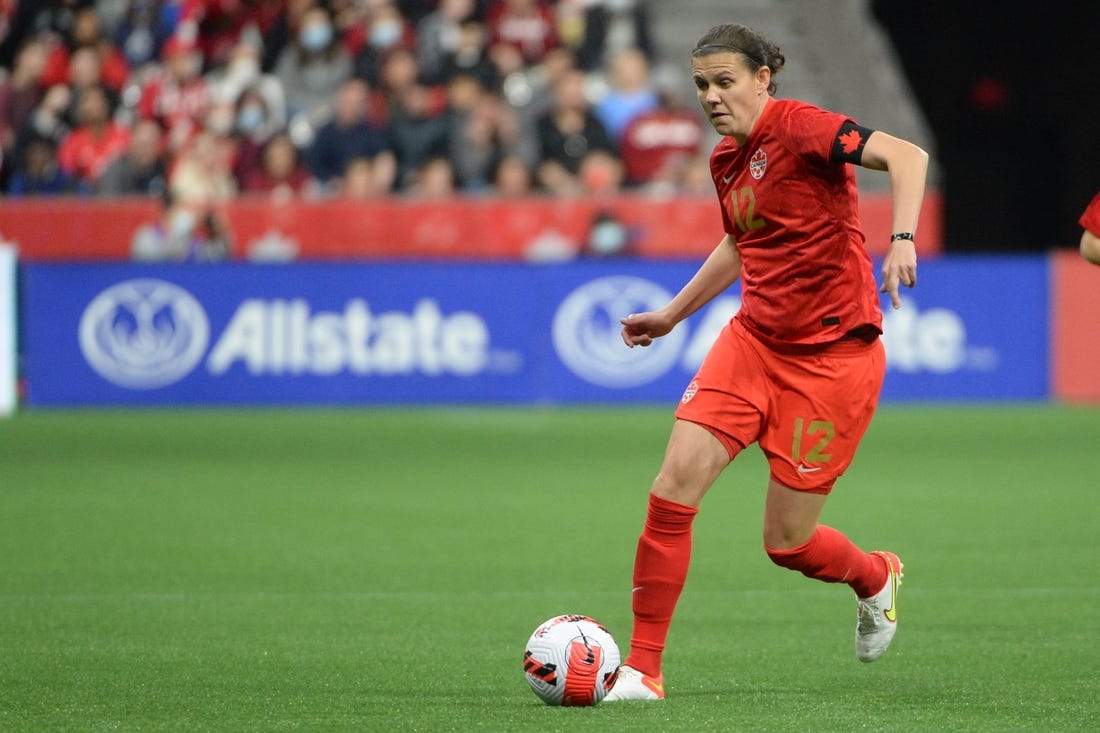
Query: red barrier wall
[[1075, 322], [459, 228]]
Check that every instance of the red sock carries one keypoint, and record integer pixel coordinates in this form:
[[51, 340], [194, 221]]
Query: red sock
[[831, 557], [660, 569]]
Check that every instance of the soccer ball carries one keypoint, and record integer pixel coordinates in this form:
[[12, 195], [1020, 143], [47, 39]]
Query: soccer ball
[[571, 660]]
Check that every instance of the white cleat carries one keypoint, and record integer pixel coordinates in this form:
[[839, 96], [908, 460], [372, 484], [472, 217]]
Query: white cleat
[[877, 619], [634, 685]]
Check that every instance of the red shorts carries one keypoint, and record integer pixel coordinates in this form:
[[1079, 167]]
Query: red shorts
[[807, 406]]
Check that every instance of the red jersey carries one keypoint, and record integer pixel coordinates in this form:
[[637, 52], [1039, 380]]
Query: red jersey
[[85, 155], [655, 138], [1091, 218], [806, 277]]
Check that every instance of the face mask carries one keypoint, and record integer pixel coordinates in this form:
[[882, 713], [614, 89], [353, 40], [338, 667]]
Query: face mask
[[315, 37], [182, 224], [607, 238], [250, 117], [385, 34]]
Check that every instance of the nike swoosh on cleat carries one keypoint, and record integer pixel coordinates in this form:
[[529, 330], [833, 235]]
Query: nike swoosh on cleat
[[891, 613], [807, 469]]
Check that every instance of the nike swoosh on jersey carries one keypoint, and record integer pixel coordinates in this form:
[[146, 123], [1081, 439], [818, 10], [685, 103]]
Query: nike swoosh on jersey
[[807, 469]]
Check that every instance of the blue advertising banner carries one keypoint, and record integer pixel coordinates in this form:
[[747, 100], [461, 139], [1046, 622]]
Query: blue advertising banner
[[974, 328], [430, 333]]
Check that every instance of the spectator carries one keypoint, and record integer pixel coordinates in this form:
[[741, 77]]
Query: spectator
[[471, 58], [658, 147], [142, 169], [359, 181], [252, 128], [567, 133], [512, 177], [434, 178], [176, 95], [607, 237], [219, 26], [142, 30], [201, 175], [281, 175], [48, 121], [418, 132], [439, 37], [87, 33], [242, 72], [371, 42], [85, 71], [283, 32], [312, 68], [182, 233], [609, 27], [600, 173], [401, 72], [20, 93], [526, 25], [351, 135], [93, 145], [482, 128], [630, 93], [530, 90], [39, 174]]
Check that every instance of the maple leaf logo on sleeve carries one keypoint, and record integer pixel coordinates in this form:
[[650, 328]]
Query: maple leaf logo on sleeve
[[850, 141]]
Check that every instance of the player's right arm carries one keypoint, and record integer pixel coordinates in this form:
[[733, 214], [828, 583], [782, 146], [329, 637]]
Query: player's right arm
[[720, 270], [1090, 247]]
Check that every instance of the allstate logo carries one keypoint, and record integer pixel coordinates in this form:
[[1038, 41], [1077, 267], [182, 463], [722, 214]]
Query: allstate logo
[[586, 333], [144, 334]]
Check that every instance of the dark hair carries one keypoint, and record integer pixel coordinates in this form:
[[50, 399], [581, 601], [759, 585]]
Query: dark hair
[[757, 49]]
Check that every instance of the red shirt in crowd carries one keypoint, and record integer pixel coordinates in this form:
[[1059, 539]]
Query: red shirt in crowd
[[85, 152], [653, 139], [533, 34], [113, 73]]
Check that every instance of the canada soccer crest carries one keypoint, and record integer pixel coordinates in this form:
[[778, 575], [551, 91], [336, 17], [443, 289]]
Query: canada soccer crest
[[758, 163]]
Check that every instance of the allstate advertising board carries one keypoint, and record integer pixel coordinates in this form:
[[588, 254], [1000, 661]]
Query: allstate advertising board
[[369, 333]]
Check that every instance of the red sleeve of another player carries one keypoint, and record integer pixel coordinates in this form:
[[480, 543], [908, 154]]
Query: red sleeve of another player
[[1091, 218]]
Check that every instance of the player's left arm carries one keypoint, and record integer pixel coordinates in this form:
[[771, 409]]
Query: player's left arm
[[907, 165]]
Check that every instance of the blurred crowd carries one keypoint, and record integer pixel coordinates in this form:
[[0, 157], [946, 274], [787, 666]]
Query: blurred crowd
[[199, 101]]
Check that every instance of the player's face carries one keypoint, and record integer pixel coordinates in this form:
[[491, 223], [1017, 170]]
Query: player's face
[[732, 96]]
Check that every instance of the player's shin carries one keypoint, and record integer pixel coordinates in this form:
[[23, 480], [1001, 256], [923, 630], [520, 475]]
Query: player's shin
[[660, 569], [831, 557]]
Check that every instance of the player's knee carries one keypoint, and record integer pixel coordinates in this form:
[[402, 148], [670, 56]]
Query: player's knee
[[680, 486], [780, 536]]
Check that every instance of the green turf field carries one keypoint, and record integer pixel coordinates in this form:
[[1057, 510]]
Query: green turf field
[[380, 570]]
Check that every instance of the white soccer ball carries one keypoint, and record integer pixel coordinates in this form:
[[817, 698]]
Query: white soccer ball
[[571, 660]]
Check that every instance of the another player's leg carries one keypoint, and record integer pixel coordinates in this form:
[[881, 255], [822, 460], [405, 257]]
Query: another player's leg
[[693, 461]]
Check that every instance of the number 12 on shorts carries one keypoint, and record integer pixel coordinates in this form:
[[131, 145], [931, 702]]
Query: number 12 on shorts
[[817, 434]]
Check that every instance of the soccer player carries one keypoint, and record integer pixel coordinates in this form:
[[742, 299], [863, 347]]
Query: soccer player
[[1090, 238], [799, 368]]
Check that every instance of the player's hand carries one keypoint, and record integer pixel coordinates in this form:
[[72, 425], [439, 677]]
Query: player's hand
[[899, 268], [640, 329]]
